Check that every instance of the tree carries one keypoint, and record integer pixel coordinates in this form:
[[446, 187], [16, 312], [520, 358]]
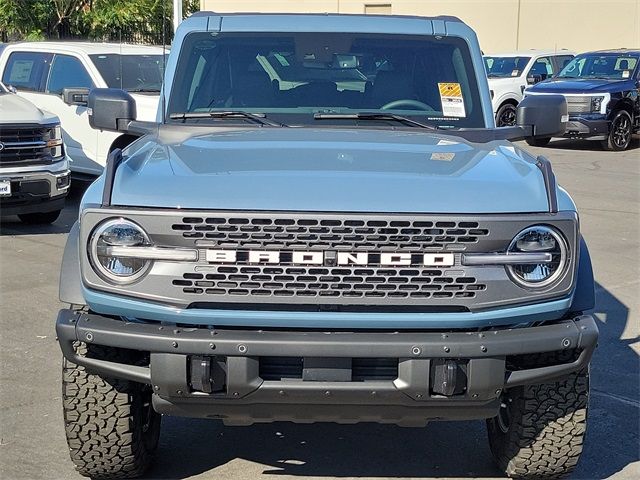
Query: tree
[[95, 19]]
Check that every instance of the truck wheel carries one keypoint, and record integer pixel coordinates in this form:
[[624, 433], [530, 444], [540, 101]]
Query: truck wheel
[[506, 115], [111, 427], [619, 133], [538, 142], [39, 218], [540, 429]]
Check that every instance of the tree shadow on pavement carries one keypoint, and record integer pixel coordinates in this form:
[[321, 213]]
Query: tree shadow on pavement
[[442, 449]]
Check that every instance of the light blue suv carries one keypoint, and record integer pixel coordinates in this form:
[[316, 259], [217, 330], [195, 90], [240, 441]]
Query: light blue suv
[[324, 224]]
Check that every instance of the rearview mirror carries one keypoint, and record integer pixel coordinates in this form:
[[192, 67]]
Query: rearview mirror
[[543, 115], [75, 96], [111, 109]]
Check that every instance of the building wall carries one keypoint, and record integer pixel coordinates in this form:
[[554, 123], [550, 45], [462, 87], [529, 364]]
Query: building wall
[[502, 25]]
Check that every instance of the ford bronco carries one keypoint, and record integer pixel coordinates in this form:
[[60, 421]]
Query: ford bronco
[[324, 224]]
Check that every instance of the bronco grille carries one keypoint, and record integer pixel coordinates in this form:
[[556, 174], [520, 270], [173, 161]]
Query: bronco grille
[[340, 234], [340, 282]]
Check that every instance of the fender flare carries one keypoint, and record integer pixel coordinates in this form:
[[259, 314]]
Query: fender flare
[[584, 297], [70, 290]]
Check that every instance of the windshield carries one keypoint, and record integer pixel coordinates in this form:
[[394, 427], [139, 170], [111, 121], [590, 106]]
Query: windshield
[[301, 74], [606, 66], [505, 66], [133, 73]]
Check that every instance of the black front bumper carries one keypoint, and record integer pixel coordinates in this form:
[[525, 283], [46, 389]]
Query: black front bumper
[[413, 395], [592, 127]]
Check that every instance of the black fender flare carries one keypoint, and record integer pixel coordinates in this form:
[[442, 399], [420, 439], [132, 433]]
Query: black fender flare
[[70, 290], [584, 297]]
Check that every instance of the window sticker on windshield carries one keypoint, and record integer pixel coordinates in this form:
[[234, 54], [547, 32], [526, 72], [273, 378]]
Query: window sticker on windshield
[[451, 98], [515, 73], [626, 74], [21, 71]]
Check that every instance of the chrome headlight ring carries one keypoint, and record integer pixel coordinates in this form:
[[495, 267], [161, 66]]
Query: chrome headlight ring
[[118, 232], [539, 238]]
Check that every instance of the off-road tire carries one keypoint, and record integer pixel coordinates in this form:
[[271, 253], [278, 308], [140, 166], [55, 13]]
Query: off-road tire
[[39, 218], [543, 433], [538, 142], [111, 428], [620, 132]]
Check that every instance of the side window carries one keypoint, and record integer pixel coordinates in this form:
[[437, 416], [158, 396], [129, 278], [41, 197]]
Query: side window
[[27, 70], [67, 72], [562, 61], [542, 67]]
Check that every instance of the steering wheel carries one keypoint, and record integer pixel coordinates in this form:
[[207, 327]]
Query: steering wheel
[[408, 103]]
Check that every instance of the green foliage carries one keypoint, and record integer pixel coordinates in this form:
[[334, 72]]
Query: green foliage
[[94, 19]]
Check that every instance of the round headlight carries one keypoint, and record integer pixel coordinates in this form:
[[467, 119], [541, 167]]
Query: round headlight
[[539, 239], [118, 232]]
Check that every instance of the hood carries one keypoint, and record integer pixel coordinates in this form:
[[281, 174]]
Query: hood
[[146, 106], [497, 82], [580, 85], [345, 170], [15, 109]]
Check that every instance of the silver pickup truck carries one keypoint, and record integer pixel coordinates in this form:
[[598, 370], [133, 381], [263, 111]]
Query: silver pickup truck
[[34, 170]]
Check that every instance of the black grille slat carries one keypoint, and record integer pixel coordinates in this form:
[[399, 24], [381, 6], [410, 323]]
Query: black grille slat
[[340, 234]]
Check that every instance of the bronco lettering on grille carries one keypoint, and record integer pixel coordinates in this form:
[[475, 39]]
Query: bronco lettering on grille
[[329, 258]]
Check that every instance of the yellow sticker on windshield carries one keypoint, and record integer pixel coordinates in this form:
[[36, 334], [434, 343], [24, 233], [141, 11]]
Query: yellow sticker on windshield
[[452, 101]]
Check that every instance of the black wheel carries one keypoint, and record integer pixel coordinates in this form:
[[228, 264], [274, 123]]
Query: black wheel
[[111, 427], [620, 132], [538, 142], [540, 429], [506, 115], [39, 218]]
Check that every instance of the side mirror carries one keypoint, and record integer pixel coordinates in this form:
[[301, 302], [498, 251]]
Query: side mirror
[[533, 79], [111, 109], [11, 89], [543, 115], [75, 96]]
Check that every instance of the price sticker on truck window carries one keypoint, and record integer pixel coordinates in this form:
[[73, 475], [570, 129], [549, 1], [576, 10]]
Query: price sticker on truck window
[[5, 188], [452, 101]]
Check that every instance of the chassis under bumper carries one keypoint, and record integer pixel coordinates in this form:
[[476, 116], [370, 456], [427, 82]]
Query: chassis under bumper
[[246, 398]]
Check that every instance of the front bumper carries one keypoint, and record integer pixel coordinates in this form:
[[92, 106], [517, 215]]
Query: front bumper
[[477, 365], [35, 191], [592, 127]]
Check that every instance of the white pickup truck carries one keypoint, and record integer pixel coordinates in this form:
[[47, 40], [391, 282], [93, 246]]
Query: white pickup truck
[[510, 73], [57, 76], [34, 170]]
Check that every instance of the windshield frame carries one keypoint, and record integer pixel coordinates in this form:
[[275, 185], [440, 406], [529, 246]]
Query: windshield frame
[[471, 59], [594, 55]]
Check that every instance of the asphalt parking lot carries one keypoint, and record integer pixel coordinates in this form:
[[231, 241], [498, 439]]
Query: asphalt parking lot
[[606, 187]]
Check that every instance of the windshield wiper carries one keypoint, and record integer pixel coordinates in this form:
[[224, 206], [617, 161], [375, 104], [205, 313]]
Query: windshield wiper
[[372, 116], [259, 118], [144, 90]]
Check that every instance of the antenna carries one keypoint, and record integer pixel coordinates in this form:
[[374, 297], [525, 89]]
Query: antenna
[[164, 59]]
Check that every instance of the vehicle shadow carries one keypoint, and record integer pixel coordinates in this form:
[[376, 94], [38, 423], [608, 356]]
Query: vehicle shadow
[[588, 145], [13, 226], [442, 449]]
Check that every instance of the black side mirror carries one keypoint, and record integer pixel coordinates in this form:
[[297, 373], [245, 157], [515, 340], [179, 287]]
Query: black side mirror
[[543, 115], [111, 109], [533, 79], [75, 96]]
